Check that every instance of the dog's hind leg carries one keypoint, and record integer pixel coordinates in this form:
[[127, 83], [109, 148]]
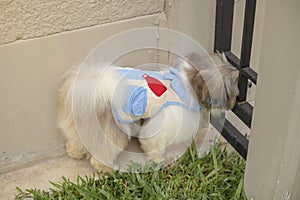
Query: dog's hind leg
[[65, 121], [159, 131], [115, 140], [171, 126], [74, 147]]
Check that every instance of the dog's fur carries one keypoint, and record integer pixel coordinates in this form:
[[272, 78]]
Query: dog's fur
[[214, 88]]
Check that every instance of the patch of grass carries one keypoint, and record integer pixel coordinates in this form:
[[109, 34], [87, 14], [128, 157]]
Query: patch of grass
[[217, 175]]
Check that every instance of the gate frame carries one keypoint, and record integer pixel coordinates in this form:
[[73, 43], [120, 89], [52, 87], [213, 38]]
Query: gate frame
[[223, 40]]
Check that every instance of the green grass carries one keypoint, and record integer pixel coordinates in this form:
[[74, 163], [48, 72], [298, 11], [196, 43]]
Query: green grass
[[217, 175]]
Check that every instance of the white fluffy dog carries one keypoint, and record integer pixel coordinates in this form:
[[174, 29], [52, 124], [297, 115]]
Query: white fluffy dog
[[161, 109]]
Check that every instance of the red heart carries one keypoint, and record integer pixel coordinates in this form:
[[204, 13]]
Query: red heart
[[157, 87]]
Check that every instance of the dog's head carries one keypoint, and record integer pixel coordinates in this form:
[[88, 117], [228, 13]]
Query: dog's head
[[216, 88]]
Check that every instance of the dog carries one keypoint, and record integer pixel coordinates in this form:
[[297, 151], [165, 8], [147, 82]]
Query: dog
[[159, 108]]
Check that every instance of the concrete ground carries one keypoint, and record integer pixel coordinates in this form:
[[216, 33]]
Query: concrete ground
[[39, 174]]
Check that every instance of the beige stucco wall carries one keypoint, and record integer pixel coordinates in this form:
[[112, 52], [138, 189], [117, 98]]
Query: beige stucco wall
[[30, 19], [29, 78], [194, 18], [32, 65]]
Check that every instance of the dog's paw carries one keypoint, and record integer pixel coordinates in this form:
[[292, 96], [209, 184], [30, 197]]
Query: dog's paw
[[77, 153], [157, 158], [100, 166]]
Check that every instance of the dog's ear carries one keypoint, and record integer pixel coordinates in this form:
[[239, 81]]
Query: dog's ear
[[196, 80], [201, 90]]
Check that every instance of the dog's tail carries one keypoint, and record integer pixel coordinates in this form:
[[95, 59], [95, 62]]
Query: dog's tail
[[64, 101], [109, 90], [82, 88]]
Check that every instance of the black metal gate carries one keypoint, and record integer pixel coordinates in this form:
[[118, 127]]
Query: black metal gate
[[223, 37]]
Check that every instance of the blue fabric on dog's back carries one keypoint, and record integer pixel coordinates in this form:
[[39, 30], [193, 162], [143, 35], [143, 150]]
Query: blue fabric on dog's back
[[137, 95]]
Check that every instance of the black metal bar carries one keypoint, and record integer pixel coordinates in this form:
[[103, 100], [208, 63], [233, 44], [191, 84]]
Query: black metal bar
[[243, 87], [233, 136], [249, 18], [250, 74], [247, 71], [223, 25], [232, 59], [246, 46], [244, 112]]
